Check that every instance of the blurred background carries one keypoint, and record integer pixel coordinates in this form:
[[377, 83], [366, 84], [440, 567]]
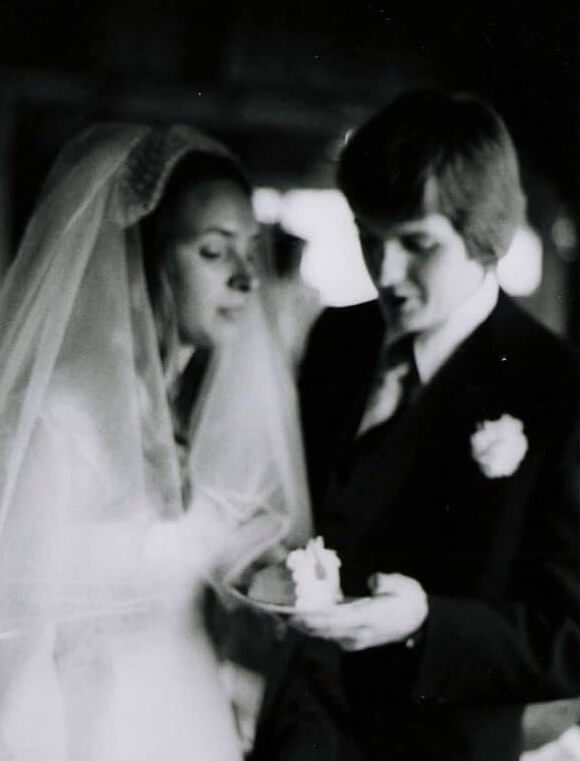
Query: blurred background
[[282, 82]]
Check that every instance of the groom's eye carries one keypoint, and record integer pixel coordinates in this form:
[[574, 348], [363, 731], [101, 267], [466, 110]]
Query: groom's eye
[[418, 244]]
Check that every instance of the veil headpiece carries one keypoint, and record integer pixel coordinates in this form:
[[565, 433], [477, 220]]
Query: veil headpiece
[[89, 479]]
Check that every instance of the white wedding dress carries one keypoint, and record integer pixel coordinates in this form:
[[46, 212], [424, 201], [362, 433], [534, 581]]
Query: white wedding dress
[[142, 685], [104, 651]]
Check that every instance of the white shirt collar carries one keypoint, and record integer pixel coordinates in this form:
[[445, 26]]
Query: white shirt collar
[[434, 347]]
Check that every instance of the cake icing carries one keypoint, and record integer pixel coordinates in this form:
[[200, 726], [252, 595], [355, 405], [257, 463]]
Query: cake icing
[[309, 579]]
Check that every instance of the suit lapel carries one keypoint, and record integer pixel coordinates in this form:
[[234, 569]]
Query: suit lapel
[[405, 448]]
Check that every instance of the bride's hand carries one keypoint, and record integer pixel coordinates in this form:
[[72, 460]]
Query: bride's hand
[[208, 535], [274, 555], [190, 544]]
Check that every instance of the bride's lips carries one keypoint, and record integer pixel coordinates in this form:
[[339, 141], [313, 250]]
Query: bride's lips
[[231, 313]]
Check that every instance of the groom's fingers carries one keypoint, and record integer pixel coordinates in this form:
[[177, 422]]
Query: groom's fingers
[[390, 583], [345, 616], [397, 610], [329, 627], [350, 643], [349, 625]]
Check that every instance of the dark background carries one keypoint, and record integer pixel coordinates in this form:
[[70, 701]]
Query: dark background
[[281, 81]]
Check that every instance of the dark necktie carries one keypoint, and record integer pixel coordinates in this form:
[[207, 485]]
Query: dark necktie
[[395, 381]]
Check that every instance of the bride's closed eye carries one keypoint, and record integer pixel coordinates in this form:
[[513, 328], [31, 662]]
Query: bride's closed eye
[[213, 246], [211, 252]]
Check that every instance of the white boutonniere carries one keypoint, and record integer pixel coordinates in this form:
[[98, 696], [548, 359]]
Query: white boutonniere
[[499, 446]]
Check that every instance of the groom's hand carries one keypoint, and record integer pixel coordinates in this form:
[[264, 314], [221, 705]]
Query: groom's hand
[[396, 610]]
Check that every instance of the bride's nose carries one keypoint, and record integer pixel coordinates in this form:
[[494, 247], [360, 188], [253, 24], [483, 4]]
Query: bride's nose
[[243, 276]]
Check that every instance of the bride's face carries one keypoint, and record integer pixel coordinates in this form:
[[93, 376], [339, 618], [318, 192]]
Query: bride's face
[[210, 260]]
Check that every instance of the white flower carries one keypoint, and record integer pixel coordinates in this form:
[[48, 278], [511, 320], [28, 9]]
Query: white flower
[[499, 446]]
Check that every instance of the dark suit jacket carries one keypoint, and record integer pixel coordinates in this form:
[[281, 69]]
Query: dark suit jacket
[[499, 557]]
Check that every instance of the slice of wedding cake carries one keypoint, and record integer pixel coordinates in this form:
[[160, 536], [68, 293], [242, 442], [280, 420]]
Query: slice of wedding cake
[[309, 579]]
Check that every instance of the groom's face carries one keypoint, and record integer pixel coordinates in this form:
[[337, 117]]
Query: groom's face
[[420, 267]]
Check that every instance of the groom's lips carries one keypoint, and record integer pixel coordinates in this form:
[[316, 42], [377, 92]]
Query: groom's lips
[[396, 301]]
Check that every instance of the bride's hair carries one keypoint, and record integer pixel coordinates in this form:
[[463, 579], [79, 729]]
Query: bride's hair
[[156, 228]]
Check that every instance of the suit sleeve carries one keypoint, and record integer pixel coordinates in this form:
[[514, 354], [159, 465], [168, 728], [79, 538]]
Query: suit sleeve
[[527, 649]]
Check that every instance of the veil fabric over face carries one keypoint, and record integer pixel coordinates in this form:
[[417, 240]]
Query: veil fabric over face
[[92, 521]]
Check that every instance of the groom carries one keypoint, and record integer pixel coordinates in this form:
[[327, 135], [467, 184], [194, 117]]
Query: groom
[[441, 428]]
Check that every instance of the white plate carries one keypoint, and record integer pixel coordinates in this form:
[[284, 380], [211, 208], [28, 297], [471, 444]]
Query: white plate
[[272, 607]]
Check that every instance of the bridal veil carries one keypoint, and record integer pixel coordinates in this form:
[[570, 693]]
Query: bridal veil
[[92, 521]]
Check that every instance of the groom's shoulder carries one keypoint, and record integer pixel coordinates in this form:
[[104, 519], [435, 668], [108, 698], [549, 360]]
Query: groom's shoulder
[[549, 362], [533, 338]]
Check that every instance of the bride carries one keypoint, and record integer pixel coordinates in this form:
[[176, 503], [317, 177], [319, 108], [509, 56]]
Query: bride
[[148, 447]]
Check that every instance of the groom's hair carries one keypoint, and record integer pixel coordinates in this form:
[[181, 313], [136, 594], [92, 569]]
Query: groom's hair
[[430, 152]]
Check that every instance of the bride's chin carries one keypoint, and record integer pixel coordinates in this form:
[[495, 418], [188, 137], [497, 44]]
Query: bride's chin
[[218, 335], [223, 332]]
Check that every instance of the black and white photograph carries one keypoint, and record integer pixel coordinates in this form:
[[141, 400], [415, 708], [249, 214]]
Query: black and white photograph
[[289, 380]]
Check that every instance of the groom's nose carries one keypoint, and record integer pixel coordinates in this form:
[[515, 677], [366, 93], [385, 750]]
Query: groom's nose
[[395, 263]]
